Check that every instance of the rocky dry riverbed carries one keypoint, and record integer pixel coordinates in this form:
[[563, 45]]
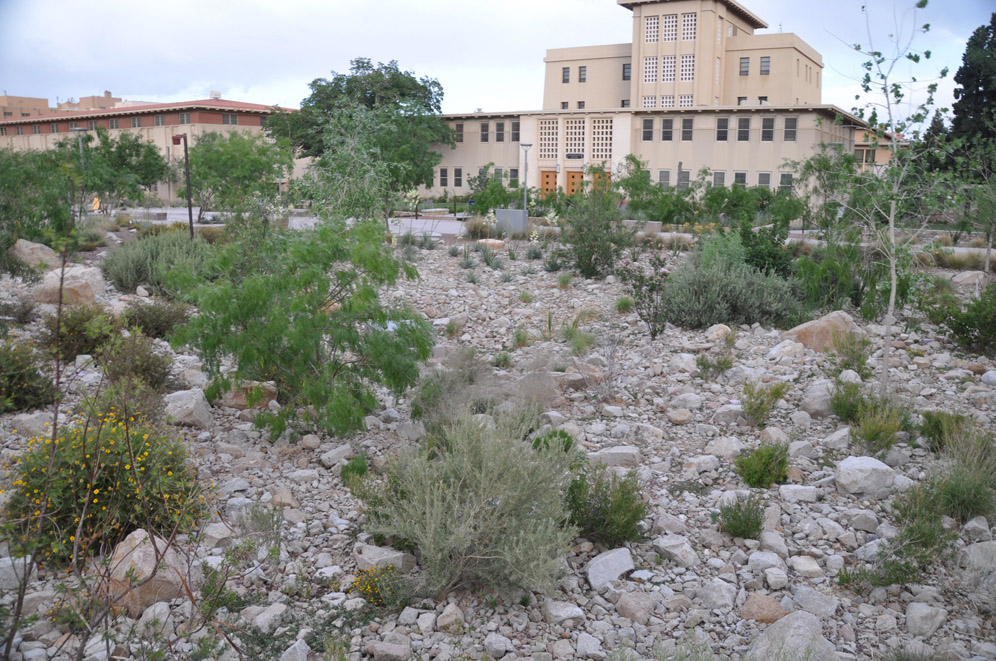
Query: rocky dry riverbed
[[633, 403]]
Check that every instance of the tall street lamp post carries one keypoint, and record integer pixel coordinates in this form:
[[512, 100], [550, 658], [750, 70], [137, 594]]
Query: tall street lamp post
[[79, 131], [525, 177], [186, 163]]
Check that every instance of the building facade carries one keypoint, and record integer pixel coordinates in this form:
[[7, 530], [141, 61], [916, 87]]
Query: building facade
[[156, 123], [695, 89]]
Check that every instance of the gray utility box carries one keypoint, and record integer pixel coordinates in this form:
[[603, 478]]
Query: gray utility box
[[511, 221]]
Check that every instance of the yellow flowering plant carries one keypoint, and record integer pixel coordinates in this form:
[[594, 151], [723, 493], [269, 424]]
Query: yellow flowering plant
[[107, 476], [380, 586]]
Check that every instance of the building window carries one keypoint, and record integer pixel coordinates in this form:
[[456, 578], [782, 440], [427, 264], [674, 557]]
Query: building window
[[686, 129], [136, 122], [687, 68], [764, 179], [785, 181], [458, 177], [624, 103], [582, 74], [684, 177], [667, 69], [627, 71], [498, 174], [92, 124], [73, 125], [762, 100], [484, 131], [444, 178], [765, 65], [667, 101], [741, 100], [184, 117], [667, 129], [53, 128], [739, 178], [718, 178], [744, 66], [669, 27], [722, 129], [688, 24], [565, 75], [515, 131], [549, 136], [564, 105], [664, 178], [159, 120], [650, 102], [791, 125], [767, 129], [499, 131], [651, 29], [36, 128], [229, 118], [650, 69], [580, 105], [18, 130], [3, 130], [513, 176], [743, 129], [112, 123], [648, 129], [686, 101], [458, 130]]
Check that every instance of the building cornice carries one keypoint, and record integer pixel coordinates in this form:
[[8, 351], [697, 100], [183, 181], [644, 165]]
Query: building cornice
[[738, 9], [147, 109]]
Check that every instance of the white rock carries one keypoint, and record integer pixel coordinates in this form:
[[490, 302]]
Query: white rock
[[677, 549], [717, 332], [728, 414], [143, 573], [759, 561], [589, 647], [816, 398], [701, 464], [989, 378], [683, 362], [923, 619], [638, 606], [609, 566], [813, 601], [81, 285], [864, 476], [35, 254], [776, 578], [190, 408], [798, 635], [368, 556], [450, 618], [336, 456], [797, 493], [717, 594], [806, 566], [773, 541], [644, 435], [786, 349], [725, 446], [625, 456], [558, 612], [297, 652], [689, 401], [839, 440], [497, 645], [978, 557], [977, 530], [774, 435], [12, 572]]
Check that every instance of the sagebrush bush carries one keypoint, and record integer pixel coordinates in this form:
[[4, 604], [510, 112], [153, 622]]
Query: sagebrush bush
[[24, 385], [605, 507], [108, 476], [83, 329], [879, 421], [743, 518], [135, 357], [758, 401], [764, 466], [481, 507], [156, 318], [940, 427], [846, 400], [146, 261]]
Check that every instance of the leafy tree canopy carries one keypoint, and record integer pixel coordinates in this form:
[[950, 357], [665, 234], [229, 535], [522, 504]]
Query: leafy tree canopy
[[975, 104]]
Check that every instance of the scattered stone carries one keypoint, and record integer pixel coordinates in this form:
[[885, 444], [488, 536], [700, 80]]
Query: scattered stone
[[638, 606], [81, 285], [818, 334], [35, 254], [677, 549], [989, 378], [977, 530], [297, 652], [924, 619], [238, 397], [806, 566], [450, 618], [726, 447], [728, 414], [497, 645], [558, 612], [978, 557], [679, 416], [145, 571], [798, 635], [589, 647], [795, 493], [816, 398], [717, 594], [609, 566], [337, 456], [644, 435], [189, 408], [813, 601], [384, 651], [368, 557], [625, 456], [762, 608], [864, 476]]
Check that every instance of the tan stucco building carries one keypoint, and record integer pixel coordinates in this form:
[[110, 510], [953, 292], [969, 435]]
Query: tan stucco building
[[696, 89]]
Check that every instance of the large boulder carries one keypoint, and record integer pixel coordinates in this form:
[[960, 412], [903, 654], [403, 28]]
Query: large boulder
[[816, 398], [818, 334], [190, 408], [609, 566], [80, 285], [144, 573], [35, 254], [798, 635], [238, 397], [864, 476]]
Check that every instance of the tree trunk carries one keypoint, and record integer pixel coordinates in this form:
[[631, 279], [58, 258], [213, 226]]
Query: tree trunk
[[891, 309]]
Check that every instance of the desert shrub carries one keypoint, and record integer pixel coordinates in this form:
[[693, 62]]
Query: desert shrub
[[759, 400], [481, 507], [453, 251], [935, 297], [21, 311], [354, 470], [624, 304], [966, 492], [940, 427], [108, 476], [646, 285], [846, 400], [552, 263], [214, 235], [534, 251], [743, 518], [605, 507], [974, 328], [879, 420], [520, 338], [146, 230], [594, 233], [525, 297], [23, 382], [716, 286], [764, 466], [564, 281], [156, 318], [710, 368], [849, 352], [383, 587], [83, 329], [502, 360], [135, 357], [146, 261]]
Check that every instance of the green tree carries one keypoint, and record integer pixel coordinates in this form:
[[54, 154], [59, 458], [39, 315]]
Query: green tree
[[652, 201], [35, 192], [593, 228], [975, 96], [230, 171]]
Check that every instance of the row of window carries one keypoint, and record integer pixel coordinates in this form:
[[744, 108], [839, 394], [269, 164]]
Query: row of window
[[565, 74], [765, 66], [485, 128], [497, 173], [667, 68], [665, 28], [723, 129], [667, 101], [227, 118], [785, 179]]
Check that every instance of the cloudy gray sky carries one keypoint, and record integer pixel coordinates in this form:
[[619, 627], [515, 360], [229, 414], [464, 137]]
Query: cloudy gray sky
[[486, 54]]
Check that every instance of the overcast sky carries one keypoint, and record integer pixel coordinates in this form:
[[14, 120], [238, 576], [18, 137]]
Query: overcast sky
[[486, 54]]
